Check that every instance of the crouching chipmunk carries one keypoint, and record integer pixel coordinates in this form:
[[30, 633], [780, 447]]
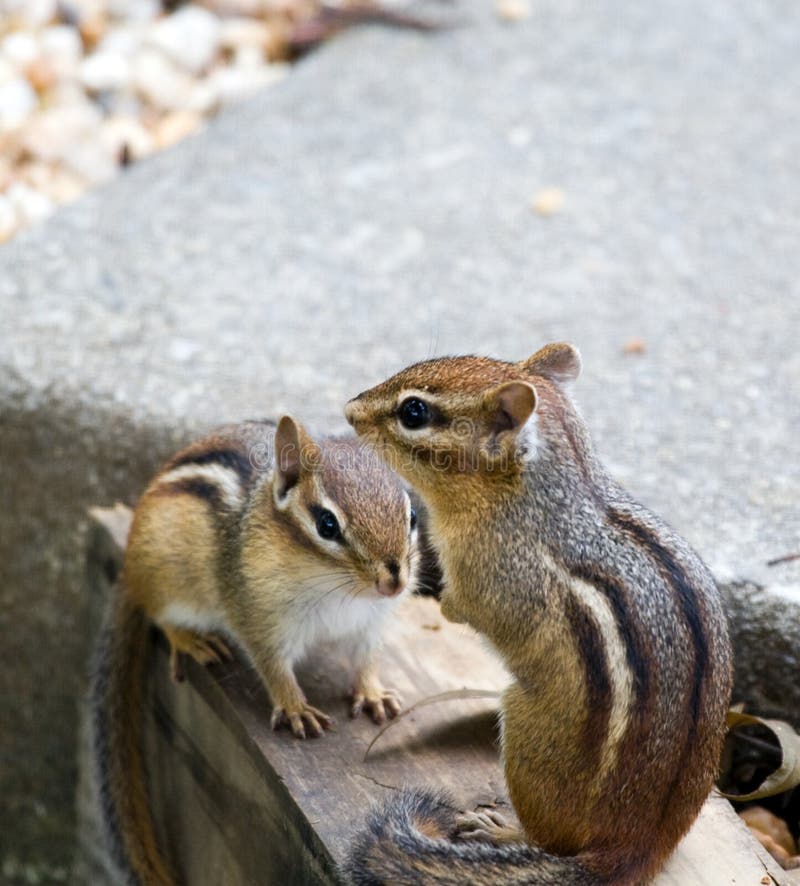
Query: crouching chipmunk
[[609, 623], [274, 547]]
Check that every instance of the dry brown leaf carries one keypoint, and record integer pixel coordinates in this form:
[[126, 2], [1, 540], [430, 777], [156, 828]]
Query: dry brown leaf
[[757, 818]]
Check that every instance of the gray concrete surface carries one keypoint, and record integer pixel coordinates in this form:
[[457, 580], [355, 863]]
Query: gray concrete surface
[[375, 209]]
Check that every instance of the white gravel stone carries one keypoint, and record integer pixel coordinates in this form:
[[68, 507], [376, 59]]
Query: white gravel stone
[[204, 97], [9, 221], [105, 71], [125, 39], [35, 13], [248, 58], [236, 84], [35, 174], [190, 37], [6, 171], [161, 82], [17, 103], [131, 80], [62, 47], [30, 205], [134, 10], [20, 49], [63, 185], [175, 127], [236, 32], [67, 94], [94, 161], [120, 132], [240, 7], [7, 70], [85, 9], [53, 133], [124, 102]]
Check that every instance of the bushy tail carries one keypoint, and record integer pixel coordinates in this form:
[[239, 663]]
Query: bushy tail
[[407, 843], [116, 699]]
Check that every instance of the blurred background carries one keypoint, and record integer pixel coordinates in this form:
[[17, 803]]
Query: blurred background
[[90, 86]]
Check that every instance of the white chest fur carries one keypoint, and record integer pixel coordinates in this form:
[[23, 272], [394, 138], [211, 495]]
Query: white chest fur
[[345, 613]]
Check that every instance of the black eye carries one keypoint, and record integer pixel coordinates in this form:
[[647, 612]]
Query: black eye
[[414, 413], [413, 518], [328, 526]]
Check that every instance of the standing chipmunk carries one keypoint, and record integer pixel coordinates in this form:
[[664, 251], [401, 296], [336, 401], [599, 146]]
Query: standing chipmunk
[[277, 551], [610, 625]]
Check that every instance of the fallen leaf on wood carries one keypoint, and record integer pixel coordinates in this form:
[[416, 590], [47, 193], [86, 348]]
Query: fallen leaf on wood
[[773, 833], [761, 819], [786, 861]]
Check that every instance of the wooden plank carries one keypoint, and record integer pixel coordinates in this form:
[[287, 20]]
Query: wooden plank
[[238, 803], [222, 813]]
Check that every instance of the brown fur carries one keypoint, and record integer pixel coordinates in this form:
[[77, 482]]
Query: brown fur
[[225, 548], [609, 623]]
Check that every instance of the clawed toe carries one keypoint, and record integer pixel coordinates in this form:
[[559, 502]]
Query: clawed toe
[[380, 707], [305, 722], [221, 648]]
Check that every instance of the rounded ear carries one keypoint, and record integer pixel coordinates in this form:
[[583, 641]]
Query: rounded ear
[[560, 362], [510, 405], [295, 455]]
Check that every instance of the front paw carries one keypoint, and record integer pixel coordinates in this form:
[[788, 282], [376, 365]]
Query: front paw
[[378, 702], [303, 719]]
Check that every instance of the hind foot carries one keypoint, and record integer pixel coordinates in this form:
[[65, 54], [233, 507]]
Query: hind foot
[[205, 649]]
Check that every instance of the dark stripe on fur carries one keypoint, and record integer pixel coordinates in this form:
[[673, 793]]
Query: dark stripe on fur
[[228, 458], [635, 645], [599, 697], [687, 601], [196, 486]]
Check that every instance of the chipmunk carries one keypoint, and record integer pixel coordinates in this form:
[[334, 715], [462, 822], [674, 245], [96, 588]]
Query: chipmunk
[[609, 624], [274, 547]]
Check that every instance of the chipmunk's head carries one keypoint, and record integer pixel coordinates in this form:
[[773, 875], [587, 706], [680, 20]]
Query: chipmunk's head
[[460, 415], [352, 512]]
